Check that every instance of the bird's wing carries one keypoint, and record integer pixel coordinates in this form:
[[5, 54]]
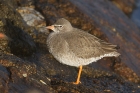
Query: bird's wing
[[85, 45]]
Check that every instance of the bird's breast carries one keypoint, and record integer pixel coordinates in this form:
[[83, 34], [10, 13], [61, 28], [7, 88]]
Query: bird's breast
[[57, 44]]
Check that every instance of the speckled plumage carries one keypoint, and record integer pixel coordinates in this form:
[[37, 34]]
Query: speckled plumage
[[74, 47]]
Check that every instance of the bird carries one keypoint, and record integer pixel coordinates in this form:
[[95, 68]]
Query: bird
[[76, 47]]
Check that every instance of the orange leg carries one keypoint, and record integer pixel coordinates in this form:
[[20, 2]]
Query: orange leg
[[79, 74]]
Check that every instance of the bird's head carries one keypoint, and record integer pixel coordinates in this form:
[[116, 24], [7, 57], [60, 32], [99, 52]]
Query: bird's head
[[61, 25]]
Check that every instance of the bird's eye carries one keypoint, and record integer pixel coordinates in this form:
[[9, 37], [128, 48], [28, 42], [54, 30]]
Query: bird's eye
[[60, 26]]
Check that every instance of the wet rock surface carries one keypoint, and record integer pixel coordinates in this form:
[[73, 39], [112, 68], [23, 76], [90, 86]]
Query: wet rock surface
[[27, 66], [126, 6], [123, 34]]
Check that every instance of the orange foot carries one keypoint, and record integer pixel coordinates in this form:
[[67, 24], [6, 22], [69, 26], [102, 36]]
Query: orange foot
[[76, 83]]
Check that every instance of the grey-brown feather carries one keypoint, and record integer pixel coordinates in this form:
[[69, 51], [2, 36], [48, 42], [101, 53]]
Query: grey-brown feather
[[82, 44], [75, 47]]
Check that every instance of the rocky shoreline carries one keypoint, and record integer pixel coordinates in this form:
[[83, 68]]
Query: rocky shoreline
[[26, 66]]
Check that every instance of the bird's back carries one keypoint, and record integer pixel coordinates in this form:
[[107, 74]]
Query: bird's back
[[79, 45]]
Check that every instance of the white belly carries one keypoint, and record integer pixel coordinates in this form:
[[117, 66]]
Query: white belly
[[72, 60]]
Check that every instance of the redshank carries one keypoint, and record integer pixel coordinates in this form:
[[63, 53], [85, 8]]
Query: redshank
[[75, 47]]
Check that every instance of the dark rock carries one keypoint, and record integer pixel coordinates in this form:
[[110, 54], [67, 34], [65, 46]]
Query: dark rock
[[126, 6], [22, 75], [4, 78], [12, 24]]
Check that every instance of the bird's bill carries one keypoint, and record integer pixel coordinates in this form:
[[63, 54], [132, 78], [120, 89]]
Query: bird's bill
[[50, 27]]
